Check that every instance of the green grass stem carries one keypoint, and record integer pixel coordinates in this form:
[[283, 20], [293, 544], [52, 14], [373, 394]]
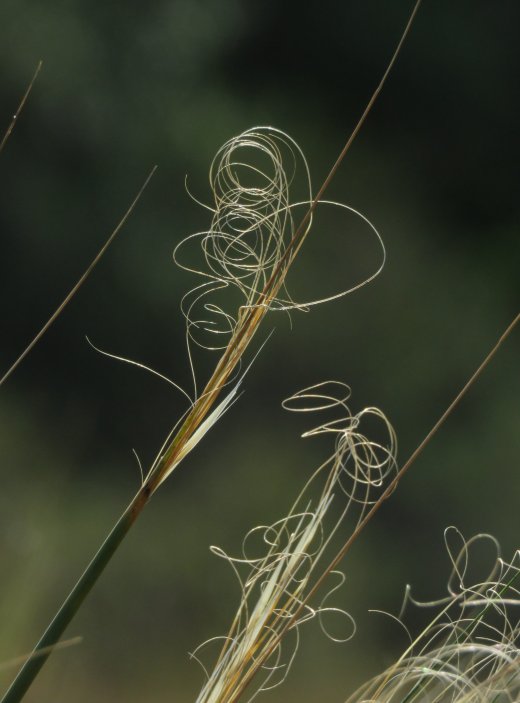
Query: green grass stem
[[72, 603]]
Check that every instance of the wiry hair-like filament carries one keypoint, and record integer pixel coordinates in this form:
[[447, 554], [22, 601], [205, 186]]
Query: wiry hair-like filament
[[470, 652], [275, 582], [253, 179]]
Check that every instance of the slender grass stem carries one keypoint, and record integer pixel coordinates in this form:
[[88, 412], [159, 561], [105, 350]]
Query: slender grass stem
[[70, 606], [20, 106], [80, 282]]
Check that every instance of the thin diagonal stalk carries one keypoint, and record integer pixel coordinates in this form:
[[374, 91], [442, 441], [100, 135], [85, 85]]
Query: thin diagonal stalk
[[20, 106], [81, 280]]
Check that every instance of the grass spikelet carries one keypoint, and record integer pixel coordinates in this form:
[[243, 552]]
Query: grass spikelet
[[276, 584], [470, 651], [248, 249]]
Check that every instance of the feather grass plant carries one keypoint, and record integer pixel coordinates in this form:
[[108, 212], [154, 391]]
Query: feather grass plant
[[247, 251], [251, 245]]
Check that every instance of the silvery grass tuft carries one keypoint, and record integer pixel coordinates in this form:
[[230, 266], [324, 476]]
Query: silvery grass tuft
[[282, 564], [470, 651]]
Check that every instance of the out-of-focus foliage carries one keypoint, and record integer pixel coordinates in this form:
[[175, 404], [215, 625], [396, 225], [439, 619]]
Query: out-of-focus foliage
[[127, 85]]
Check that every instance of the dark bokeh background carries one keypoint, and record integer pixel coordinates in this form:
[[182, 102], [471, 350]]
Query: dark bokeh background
[[128, 85]]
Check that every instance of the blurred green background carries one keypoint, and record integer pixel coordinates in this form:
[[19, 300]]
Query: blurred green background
[[128, 85]]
